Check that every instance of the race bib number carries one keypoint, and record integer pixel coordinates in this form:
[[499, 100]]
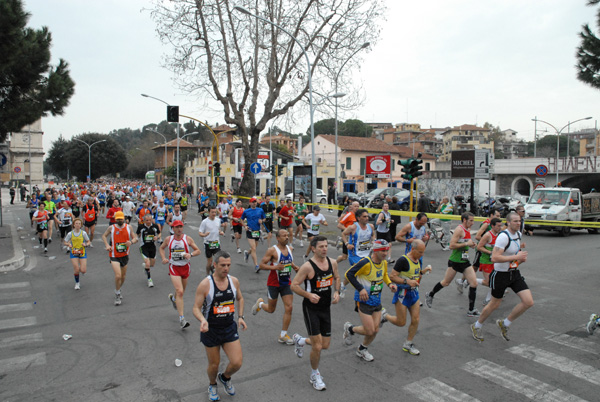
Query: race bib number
[[256, 234], [387, 224], [214, 245], [286, 271], [148, 238], [325, 282], [43, 225], [78, 251], [513, 265], [161, 215], [376, 288], [121, 247], [227, 308], [364, 245], [177, 254], [315, 227], [269, 215], [465, 255]]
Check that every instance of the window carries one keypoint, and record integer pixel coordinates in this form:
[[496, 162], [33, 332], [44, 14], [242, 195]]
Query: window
[[427, 166], [363, 164], [348, 163]]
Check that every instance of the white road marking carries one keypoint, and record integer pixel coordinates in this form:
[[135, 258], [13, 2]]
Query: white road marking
[[17, 322], [575, 342], [20, 340], [14, 285], [7, 308], [430, 389]]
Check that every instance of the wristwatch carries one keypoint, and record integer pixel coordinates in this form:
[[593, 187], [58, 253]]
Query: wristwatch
[[241, 316]]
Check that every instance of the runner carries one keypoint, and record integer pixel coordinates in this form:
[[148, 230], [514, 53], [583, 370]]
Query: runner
[[121, 238], [76, 241], [416, 229], [319, 275], [407, 274], [285, 218], [459, 263], [32, 204], [269, 207], [344, 222], [41, 217], [507, 257], [368, 276], [148, 232], [160, 217], [112, 211], [313, 222], [485, 247], [102, 200], [64, 217], [214, 307], [279, 261], [175, 215], [128, 207], [210, 230], [300, 212], [142, 211], [358, 239], [223, 209], [252, 218], [90, 216], [50, 207], [179, 246], [236, 223], [184, 200]]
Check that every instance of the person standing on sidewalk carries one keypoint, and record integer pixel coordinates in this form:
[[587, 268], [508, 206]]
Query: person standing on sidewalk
[[12, 193]]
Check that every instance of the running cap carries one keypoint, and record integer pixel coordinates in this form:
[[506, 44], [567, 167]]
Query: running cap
[[317, 208], [119, 215], [380, 245], [253, 199], [177, 223]]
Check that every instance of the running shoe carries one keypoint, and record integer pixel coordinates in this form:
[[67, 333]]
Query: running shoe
[[285, 339], [342, 291], [445, 248], [465, 283], [503, 329], [383, 317], [212, 393], [239, 251], [45, 249], [255, 308], [592, 324], [428, 299], [391, 262], [299, 349], [476, 333], [246, 255], [347, 335], [50, 240], [459, 285], [150, 283], [232, 238], [172, 300], [410, 348], [317, 382], [229, 388], [77, 287], [184, 323], [485, 302], [365, 355], [301, 243], [256, 269], [473, 313], [117, 300], [338, 243]]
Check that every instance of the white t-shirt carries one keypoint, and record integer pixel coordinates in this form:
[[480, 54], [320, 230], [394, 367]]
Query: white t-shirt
[[158, 194], [128, 208], [212, 227], [223, 209], [514, 247], [314, 222]]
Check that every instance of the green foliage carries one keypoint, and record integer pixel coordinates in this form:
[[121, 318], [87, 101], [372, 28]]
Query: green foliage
[[56, 158], [281, 147], [30, 87], [588, 54], [546, 147], [349, 128]]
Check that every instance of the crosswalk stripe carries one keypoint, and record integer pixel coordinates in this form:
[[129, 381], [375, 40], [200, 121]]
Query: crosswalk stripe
[[7, 308], [517, 382], [22, 362], [430, 389], [14, 285], [17, 322], [558, 362], [15, 295], [20, 340], [575, 342]]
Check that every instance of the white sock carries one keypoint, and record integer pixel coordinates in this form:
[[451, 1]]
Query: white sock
[[460, 281], [489, 295], [260, 306], [479, 281], [478, 324], [315, 372], [302, 341], [283, 333], [507, 322]]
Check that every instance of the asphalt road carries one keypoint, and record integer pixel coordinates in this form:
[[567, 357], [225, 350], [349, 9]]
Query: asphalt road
[[127, 353]]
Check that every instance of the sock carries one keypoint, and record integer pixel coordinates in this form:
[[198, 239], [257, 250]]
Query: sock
[[351, 330], [302, 341], [117, 292], [460, 281], [40, 239], [479, 281], [436, 288], [507, 322], [76, 278], [224, 378], [46, 243], [315, 371], [181, 318], [362, 347], [283, 333], [478, 324], [472, 295], [148, 273], [260, 307]]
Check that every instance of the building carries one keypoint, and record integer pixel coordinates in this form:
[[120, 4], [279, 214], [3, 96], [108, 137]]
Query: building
[[23, 156], [171, 151], [510, 147], [465, 137], [280, 140], [412, 136], [588, 141]]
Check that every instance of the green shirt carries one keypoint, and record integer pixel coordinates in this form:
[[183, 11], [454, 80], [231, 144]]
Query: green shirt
[[300, 211]]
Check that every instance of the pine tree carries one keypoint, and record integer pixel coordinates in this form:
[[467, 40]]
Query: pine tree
[[30, 87], [588, 54]]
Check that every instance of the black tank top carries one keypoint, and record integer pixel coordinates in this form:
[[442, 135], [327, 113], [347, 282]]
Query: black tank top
[[320, 284], [220, 311]]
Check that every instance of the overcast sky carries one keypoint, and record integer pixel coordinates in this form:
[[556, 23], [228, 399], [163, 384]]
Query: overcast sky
[[438, 63]]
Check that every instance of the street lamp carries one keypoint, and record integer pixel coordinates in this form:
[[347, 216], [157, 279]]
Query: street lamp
[[558, 133], [310, 97], [89, 154], [337, 95], [160, 100]]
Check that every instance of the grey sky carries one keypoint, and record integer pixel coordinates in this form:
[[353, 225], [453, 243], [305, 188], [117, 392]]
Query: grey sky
[[438, 63]]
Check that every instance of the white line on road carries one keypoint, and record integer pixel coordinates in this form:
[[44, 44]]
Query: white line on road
[[430, 389], [575, 342], [557, 362], [20, 340], [17, 322], [15, 295], [14, 285], [7, 308], [22, 362], [517, 382]]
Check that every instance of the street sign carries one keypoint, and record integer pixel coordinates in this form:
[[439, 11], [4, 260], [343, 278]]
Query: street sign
[[3, 159], [472, 164], [540, 180], [17, 169], [482, 164], [378, 166], [540, 185], [255, 168], [541, 170]]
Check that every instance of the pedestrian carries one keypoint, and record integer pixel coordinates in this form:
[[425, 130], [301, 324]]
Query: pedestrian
[[396, 217], [424, 203], [23, 190], [12, 193]]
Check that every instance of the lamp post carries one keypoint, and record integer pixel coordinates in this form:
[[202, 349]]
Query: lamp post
[[558, 133], [177, 157], [89, 154], [310, 97], [165, 138], [337, 95]]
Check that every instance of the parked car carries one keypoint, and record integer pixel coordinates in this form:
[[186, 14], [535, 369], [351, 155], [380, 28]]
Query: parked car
[[321, 197], [352, 196], [373, 199]]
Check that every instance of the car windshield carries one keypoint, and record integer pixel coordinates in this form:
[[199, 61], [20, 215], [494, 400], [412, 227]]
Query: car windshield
[[552, 197]]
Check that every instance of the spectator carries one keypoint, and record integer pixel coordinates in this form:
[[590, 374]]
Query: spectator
[[423, 203]]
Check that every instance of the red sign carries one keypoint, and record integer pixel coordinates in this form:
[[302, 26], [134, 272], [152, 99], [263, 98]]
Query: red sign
[[541, 170], [379, 166], [540, 185]]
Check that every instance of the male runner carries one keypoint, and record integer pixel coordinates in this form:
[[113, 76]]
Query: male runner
[[252, 218], [279, 261], [300, 212], [415, 230], [236, 223], [210, 230], [313, 222], [269, 207], [485, 247], [368, 276], [148, 232], [160, 217], [90, 216], [214, 307], [41, 218], [319, 275], [286, 215], [358, 239]]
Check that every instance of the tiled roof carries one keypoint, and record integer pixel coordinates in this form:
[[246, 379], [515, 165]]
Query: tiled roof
[[223, 127], [173, 144], [366, 144]]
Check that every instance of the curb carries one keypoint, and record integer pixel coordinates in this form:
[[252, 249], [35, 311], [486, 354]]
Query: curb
[[18, 260]]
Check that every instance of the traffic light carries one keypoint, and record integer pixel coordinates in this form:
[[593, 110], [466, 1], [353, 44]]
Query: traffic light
[[173, 114], [272, 170], [415, 167], [279, 170], [217, 168], [406, 168], [210, 169]]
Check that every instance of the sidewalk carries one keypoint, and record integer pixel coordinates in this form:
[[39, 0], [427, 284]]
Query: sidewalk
[[11, 252]]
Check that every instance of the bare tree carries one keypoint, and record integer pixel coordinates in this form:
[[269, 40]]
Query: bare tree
[[255, 71]]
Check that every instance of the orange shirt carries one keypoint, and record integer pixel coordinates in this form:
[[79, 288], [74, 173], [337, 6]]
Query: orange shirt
[[118, 238], [348, 219]]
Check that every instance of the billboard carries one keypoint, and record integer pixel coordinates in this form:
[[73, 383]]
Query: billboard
[[302, 183], [472, 164], [379, 166]]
